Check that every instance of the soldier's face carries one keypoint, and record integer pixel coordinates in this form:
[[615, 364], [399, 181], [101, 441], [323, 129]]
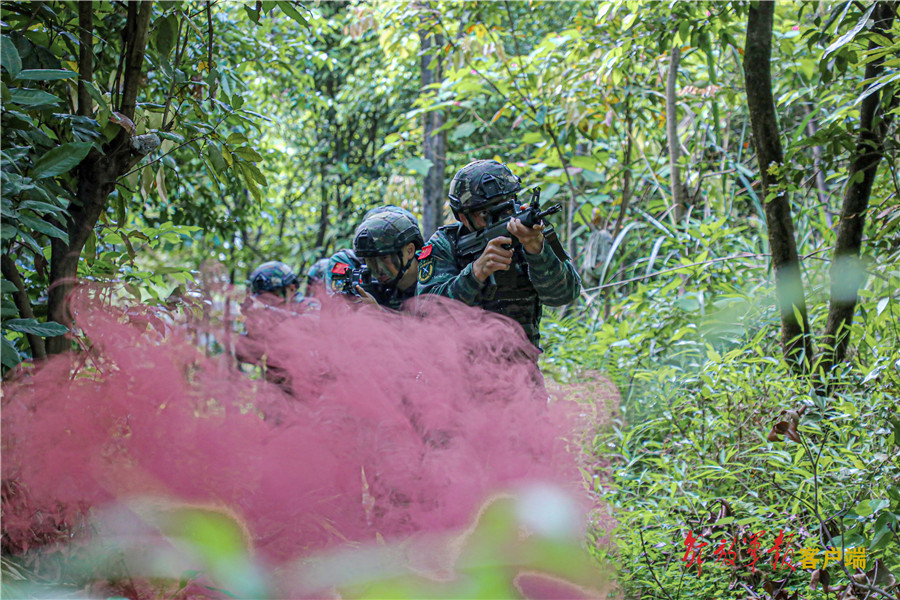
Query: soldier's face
[[481, 218], [383, 268]]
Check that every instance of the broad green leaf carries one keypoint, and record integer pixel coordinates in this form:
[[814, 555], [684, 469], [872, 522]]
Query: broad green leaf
[[216, 159], [61, 159], [464, 131], [90, 248], [292, 12], [9, 57], [419, 165], [32, 98], [9, 355], [46, 74], [165, 35], [120, 211], [7, 230], [34, 327], [168, 135], [42, 207], [847, 37], [248, 153], [44, 227]]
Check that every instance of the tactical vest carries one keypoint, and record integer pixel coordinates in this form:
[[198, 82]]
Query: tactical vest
[[513, 295]]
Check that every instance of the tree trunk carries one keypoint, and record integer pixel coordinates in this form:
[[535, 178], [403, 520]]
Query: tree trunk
[[847, 274], [97, 174], [323, 208], [795, 339], [23, 304], [679, 193], [435, 144]]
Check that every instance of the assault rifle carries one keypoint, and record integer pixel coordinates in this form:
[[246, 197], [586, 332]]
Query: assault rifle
[[346, 283], [471, 245]]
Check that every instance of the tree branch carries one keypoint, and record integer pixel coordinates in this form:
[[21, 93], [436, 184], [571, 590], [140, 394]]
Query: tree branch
[[134, 58]]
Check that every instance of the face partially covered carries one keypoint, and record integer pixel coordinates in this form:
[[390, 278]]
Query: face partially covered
[[479, 219], [384, 268]]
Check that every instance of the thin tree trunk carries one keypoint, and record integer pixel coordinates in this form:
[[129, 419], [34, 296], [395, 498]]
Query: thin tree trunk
[[678, 190], [821, 184], [97, 175], [795, 339], [23, 304], [434, 144], [323, 209], [847, 274], [626, 182]]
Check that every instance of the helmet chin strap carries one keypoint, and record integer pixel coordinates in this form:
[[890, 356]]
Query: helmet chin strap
[[393, 282]]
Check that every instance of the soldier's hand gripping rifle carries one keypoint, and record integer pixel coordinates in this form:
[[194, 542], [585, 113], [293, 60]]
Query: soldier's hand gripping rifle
[[471, 245]]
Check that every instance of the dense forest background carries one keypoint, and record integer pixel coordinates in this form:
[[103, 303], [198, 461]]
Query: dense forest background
[[729, 177]]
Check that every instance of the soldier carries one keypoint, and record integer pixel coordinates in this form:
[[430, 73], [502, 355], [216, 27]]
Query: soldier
[[388, 240], [273, 298], [316, 276], [540, 272], [274, 283]]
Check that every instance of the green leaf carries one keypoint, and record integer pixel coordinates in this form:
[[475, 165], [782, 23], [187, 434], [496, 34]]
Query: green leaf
[[44, 227], [216, 159], [292, 12], [90, 248], [120, 211], [7, 231], [847, 37], [9, 355], [32, 99], [248, 153], [42, 207], [9, 58], [168, 135], [165, 35], [7, 287], [46, 74], [61, 159], [34, 327], [464, 131], [419, 165]]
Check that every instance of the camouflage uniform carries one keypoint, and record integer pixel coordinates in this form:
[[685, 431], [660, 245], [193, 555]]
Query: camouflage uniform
[[261, 317], [316, 273], [533, 280]]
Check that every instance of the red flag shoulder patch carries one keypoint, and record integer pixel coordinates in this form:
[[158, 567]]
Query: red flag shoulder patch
[[425, 252], [340, 268]]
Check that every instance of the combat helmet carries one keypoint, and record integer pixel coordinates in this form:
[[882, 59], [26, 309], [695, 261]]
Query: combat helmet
[[317, 272], [386, 230], [272, 276], [481, 183]]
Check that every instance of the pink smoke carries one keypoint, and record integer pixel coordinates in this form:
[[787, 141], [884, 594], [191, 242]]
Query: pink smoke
[[388, 424]]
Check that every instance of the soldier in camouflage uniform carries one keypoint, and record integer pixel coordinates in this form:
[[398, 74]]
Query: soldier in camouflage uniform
[[272, 280], [315, 277], [388, 240], [540, 272], [273, 298]]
